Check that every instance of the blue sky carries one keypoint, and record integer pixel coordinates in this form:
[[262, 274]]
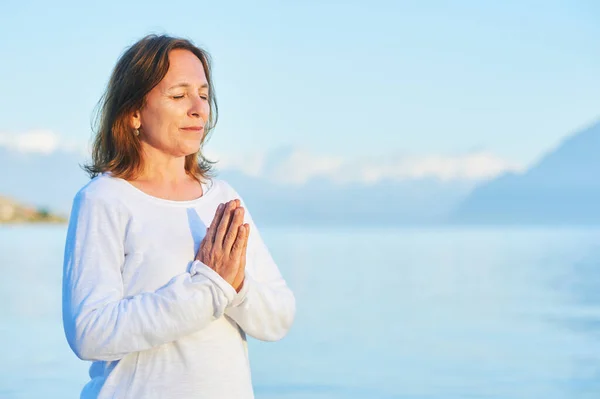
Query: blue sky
[[346, 79]]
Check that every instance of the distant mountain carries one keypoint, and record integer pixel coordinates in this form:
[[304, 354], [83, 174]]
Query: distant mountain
[[323, 202], [562, 188], [52, 180]]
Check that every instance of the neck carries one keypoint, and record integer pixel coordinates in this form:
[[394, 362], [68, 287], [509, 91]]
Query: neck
[[162, 168]]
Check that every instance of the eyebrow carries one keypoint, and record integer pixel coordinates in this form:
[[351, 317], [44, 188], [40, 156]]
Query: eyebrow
[[204, 86]]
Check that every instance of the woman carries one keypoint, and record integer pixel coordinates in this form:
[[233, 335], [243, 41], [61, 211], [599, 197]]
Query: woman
[[158, 301]]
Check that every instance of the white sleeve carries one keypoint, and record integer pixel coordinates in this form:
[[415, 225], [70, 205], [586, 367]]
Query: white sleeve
[[265, 306], [99, 322]]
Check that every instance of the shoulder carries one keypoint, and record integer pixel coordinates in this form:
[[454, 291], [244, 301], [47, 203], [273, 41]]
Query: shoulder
[[224, 187], [102, 189], [97, 206], [226, 192]]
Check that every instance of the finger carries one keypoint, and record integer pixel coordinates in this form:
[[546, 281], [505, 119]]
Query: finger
[[221, 229], [232, 231], [211, 231], [215, 222], [241, 273], [243, 255], [237, 205], [238, 245]]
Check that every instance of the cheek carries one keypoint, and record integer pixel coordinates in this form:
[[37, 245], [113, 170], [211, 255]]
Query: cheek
[[162, 117], [151, 116]]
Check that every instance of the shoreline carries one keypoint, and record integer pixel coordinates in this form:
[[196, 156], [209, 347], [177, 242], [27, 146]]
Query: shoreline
[[14, 212]]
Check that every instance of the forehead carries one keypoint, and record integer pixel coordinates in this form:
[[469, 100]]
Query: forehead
[[184, 66]]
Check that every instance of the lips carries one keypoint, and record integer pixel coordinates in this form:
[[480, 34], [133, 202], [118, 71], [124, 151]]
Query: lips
[[193, 128]]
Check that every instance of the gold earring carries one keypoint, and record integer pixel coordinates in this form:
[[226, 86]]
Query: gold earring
[[136, 132]]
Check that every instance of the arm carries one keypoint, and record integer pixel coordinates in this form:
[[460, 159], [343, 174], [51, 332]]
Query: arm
[[265, 306], [99, 322]]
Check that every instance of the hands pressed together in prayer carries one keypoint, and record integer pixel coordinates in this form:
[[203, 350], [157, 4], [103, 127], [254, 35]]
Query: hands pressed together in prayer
[[223, 249]]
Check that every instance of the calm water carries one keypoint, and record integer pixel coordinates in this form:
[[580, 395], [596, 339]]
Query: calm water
[[405, 313]]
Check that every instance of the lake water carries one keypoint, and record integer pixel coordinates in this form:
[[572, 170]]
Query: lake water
[[382, 313]]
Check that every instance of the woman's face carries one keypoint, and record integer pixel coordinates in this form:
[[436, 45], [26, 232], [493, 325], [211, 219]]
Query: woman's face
[[172, 119]]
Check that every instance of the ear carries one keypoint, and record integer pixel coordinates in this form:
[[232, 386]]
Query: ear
[[136, 120]]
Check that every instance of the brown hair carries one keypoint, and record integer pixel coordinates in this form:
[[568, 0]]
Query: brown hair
[[143, 65]]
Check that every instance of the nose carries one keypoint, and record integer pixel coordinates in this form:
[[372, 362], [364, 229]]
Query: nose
[[199, 108]]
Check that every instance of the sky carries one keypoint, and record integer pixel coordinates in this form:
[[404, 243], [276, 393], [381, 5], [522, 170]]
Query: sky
[[425, 81]]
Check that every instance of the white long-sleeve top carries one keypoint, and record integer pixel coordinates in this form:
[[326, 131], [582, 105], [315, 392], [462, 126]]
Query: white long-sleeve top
[[156, 323]]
